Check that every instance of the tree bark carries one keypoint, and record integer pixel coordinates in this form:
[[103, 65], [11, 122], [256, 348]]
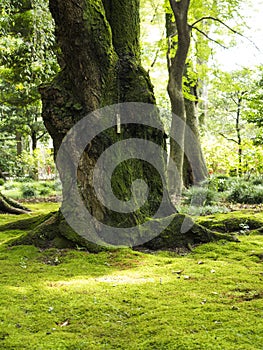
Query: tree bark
[[18, 143], [239, 138]]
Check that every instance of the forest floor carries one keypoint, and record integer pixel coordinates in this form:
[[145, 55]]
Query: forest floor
[[211, 298]]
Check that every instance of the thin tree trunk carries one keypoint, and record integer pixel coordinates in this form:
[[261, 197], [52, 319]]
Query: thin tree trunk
[[195, 171], [239, 138], [34, 140], [175, 90], [18, 143]]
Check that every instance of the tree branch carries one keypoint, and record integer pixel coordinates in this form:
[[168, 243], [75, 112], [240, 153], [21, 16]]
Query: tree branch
[[224, 24], [227, 138], [40, 136], [208, 37]]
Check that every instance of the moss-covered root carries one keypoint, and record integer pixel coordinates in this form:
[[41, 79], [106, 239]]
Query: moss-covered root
[[183, 232], [9, 206], [54, 232]]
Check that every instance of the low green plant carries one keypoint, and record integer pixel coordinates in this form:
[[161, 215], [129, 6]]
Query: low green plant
[[257, 180], [246, 193], [205, 210], [200, 196], [28, 191], [218, 183]]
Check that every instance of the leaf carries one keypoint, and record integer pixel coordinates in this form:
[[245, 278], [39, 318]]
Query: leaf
[[63, 324]]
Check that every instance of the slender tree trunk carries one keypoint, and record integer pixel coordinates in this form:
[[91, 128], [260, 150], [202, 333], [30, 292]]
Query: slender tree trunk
[[34, 140], [175, 90], [239, 138], [195, 171], [18, 143]]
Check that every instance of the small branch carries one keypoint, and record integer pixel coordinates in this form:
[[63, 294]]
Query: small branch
[[40, 136], [232, 98], [224, 24], [227, 138], [209, 38]]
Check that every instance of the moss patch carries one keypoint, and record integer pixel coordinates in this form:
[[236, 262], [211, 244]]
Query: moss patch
[[240, 221]]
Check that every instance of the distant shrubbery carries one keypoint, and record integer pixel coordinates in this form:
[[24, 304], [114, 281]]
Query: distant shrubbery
[[28, 189], [217, 191]]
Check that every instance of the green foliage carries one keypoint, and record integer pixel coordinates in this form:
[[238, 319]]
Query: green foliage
[[204, 210], [27, 60], [28, 188], [200, 196], [28, 191], [246, 193]]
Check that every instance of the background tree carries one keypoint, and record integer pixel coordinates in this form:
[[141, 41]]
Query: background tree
[[200, 16], [26, 60], [230, 96]]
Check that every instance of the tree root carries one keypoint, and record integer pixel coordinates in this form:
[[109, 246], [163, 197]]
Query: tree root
[[55, 232], [9, 206]]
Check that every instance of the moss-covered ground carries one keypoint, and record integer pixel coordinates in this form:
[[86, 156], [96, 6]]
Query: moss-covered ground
[[211, 298]]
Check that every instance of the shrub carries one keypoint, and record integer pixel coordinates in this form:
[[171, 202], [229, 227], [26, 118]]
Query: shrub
[[246, 193], [206, 210], [200, 196], [45, 191], [258, 180], [2, 181], [28, 191]]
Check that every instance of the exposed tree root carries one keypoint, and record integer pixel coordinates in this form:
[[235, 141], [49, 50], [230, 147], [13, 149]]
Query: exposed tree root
[[53, 231], [9, 206]]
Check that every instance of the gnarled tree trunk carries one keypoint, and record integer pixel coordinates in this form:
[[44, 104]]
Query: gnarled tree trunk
[[100, 66]]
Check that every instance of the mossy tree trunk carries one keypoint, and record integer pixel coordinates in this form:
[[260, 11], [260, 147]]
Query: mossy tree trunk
[[100, 65]]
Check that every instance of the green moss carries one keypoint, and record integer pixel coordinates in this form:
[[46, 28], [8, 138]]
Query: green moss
[[239, 221], [210, 298]]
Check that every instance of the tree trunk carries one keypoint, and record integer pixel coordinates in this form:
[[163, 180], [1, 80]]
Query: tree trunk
[[18, 143], [194, 170], [106, 70], [34, 140], [239, 139], [175, 90]]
